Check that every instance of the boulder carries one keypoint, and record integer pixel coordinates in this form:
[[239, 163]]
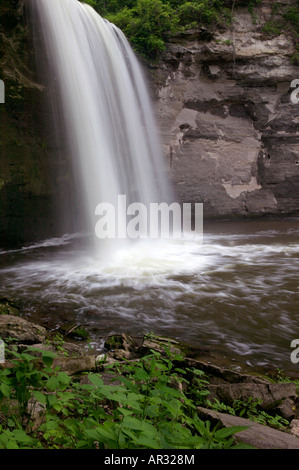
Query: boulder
[[21, 330], [269, 395], [227, 386], [294, 427], [74, 365], [120, 346], [161, 345], [256, 435]]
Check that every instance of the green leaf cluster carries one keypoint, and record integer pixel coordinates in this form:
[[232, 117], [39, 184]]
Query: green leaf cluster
[[148, 24], [250, 409], [153, 405]]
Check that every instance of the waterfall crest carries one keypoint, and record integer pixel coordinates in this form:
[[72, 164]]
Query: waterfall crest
[[106, 107]]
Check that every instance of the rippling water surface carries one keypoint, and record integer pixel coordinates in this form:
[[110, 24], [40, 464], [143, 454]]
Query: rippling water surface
[[236, 293]]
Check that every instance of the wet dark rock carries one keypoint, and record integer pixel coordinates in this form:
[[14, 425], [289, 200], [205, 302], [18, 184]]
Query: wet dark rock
[[121, 346], [77, 332]]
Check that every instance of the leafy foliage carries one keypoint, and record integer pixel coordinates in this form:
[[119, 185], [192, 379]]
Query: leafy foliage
[[251, 410], [153, 405], [148, 24]]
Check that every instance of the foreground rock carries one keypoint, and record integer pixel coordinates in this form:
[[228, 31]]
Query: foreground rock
[[21, 330], [270, 396], [257, 435]]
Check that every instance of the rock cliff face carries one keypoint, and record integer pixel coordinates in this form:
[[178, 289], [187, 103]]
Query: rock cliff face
[[229, 128]]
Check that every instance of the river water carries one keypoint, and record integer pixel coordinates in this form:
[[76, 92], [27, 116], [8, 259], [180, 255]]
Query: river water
[[236, 293]]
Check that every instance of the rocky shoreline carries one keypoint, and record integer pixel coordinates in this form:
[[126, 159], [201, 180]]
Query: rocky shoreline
[[226, 386]]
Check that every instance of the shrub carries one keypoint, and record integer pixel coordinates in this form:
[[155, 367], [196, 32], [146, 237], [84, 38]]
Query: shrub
[[146, 25], [152, 406]]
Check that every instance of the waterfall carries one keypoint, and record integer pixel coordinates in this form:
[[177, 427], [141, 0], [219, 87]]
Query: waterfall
[[106, 108]]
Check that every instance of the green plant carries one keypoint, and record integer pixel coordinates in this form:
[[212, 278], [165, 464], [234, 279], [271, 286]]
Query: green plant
[[202, 12], [58, 341], [219, 406], [146, 25], [19, 382], [272, 28], [149, 410], [152, 405], [295, 59], [246, 408], [291, 15], [249, 409], [16, 439], [274, 421]]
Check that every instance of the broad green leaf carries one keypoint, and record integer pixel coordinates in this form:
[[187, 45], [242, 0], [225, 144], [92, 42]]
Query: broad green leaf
[[49, 425], [12, 445], [52, 399], [96, 380], [64, 378], [20, 375], [40, 397], [125, 411], [148, 442], [82, 444], [21, 436], [226, 432], [27, 357], [5, 389], [138, 425], [52, 384]]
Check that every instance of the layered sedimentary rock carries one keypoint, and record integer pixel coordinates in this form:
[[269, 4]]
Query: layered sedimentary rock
[[228, 124]]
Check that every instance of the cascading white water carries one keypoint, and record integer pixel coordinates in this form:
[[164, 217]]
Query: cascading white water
[[106, 108]]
